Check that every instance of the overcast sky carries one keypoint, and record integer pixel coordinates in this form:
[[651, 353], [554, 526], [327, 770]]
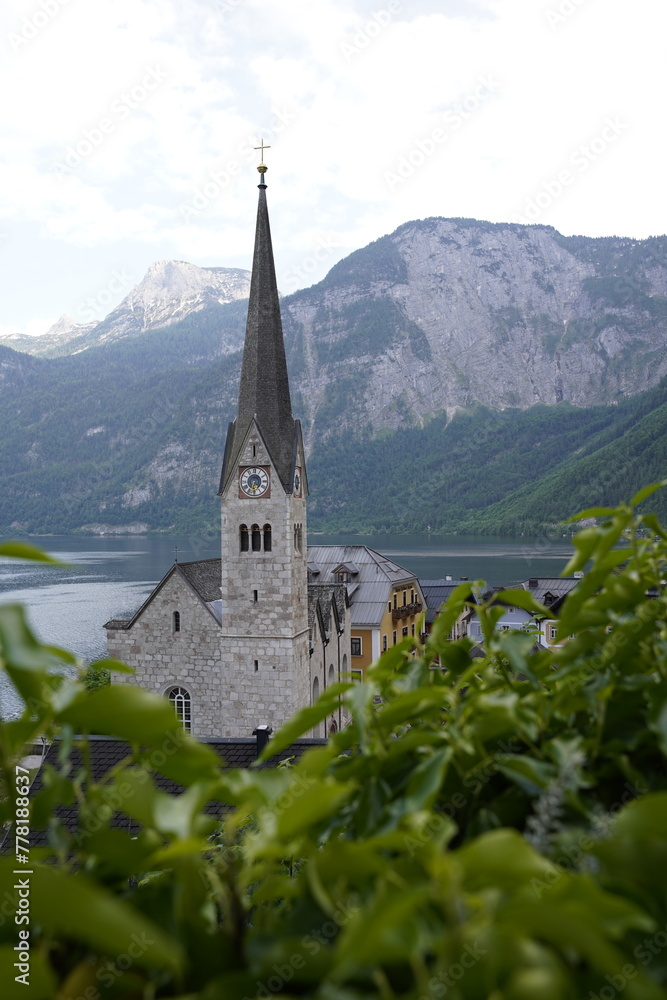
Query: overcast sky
[[128, 127]]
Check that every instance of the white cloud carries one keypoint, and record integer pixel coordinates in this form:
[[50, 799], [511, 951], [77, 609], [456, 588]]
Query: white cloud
[[342, 91]]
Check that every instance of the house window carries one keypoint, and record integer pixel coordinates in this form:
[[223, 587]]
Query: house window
[[256, 538], [413, 628], [389, 606], [395, 600], [243, 538], [357, 676], [355, 644], [255, 596], [256, 662], [553, 629], [510, 611], [176, 619], [267, 537], [182, 703], [404, 631], [412, 597], [394, 636], [384, 643], [405, 598]]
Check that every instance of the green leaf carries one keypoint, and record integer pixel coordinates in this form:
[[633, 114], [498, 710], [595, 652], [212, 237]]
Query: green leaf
[[125, 711], [426, 780], [76, 907], [41, 980], [593, 512], [116, 666], [646, 492], [305, 720], [521, 599], [307, 809], [23, 550]]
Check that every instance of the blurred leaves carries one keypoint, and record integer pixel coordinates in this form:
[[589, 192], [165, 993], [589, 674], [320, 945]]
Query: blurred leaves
[[504, 815]]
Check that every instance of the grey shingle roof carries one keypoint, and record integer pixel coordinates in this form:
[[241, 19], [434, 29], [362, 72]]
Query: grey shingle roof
[[550, 590], [370, 588], [204, 576], [436, 592]]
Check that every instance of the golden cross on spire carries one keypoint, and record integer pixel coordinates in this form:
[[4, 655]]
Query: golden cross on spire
[[262, 147]]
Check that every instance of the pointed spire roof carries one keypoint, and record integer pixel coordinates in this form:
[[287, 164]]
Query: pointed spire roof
[[264, 391]]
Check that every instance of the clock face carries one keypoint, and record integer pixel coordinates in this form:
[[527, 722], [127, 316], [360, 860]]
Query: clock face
[[254, 482]]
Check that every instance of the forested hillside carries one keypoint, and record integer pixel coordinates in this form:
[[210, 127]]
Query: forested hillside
[[492, 472]]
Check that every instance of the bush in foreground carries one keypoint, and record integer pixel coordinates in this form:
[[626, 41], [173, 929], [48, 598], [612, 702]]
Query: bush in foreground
[[485, 828]]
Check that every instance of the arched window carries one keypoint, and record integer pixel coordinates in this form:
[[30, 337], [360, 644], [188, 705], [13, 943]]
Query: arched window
[[267, 537], [298, 537], [256, 538], [243, 538], [333, 728], [176, 620], [180, 699], [332, 674], [316, 693]]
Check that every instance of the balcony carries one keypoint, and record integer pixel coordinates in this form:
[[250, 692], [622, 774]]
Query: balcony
[[406, 611]]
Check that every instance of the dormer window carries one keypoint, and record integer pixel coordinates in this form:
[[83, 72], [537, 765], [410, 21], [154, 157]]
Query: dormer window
[[343, 576]]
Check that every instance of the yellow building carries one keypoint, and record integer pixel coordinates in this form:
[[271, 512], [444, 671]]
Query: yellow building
[[385, 598]]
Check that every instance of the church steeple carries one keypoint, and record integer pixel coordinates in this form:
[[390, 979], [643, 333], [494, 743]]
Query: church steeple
[[264, 390]]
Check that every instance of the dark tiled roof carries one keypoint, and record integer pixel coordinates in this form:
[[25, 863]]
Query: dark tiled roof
[[107, 752]]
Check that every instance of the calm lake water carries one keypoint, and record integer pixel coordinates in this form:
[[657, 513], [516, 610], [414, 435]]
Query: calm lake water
[[110, 577]]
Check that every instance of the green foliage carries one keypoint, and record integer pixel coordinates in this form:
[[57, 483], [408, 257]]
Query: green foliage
[[484, 827], [96, 675]]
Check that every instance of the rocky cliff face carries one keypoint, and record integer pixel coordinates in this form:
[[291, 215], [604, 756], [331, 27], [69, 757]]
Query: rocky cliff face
[[444, 313]]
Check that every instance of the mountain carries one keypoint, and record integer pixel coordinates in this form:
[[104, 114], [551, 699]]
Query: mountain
[[443, 370], [171, 290], [51, 343], [446, 313]]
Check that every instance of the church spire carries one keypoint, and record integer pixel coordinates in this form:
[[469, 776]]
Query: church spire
[[264, 391]]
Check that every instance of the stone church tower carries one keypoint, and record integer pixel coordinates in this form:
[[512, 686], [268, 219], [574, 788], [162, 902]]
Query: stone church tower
[[244, 640], [263, 488]]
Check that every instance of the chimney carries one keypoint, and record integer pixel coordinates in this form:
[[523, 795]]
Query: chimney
[[262, 733], [532, 583]]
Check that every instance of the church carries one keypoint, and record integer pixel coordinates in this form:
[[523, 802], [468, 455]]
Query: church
[[248, 639]]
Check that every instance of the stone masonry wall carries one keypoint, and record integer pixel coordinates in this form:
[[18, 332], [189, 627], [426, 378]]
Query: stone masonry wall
[[264, 640], [163, 659]]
